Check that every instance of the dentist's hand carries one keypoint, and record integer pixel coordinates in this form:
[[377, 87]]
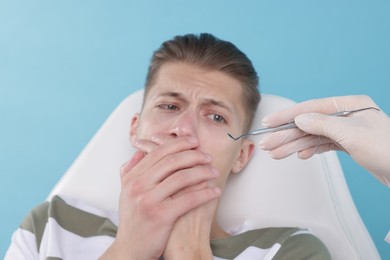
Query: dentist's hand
[[364, 135]]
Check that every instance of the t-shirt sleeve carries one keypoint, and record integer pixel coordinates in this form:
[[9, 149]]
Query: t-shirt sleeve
[[26, 239], [303, 246]]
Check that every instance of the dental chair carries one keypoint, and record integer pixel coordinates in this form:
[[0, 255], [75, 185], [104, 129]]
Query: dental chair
[[268, 193]]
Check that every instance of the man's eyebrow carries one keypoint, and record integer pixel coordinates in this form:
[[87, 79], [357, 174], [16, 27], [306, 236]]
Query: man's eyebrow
[[171, 94], [206, 101], [213, 102]]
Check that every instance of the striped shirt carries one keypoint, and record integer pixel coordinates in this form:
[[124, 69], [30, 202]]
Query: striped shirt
[[66, 228]]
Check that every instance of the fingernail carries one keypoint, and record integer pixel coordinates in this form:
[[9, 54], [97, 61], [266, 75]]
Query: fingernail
[[137, 141], [217, 190], [155, 139], [304, 119], [261, 144], [133, 140], [265, 121]]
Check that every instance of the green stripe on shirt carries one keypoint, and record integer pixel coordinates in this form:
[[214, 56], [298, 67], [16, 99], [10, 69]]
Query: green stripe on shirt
[[72, 219]]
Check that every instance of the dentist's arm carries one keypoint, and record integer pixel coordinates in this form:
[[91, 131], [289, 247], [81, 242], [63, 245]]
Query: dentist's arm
[[364, 135]]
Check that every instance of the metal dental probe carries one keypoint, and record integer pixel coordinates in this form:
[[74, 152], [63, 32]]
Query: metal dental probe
[[293, 125]]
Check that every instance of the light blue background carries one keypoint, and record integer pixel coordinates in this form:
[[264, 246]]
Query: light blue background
[[65, 65]]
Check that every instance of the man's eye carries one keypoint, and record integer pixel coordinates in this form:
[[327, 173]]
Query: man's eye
[[217, 118], [168, 107]]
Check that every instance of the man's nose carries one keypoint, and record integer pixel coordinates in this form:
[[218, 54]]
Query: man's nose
[[184, 125]]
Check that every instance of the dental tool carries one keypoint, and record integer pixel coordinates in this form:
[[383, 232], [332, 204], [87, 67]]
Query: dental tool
[[293, 125]]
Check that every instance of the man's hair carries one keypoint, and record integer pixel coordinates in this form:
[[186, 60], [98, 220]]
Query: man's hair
[[208, 52]]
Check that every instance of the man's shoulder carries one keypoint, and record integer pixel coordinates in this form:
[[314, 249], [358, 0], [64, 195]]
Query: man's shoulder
[[303, 244], [278, 242], [295, 243], [70, 214], [63, 228]]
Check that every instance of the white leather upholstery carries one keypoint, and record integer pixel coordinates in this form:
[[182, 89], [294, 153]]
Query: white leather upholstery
[[291, 192]]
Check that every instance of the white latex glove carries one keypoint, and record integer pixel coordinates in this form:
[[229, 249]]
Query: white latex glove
[[364, 135]]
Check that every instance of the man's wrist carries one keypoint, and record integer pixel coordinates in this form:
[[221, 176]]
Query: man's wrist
[[189, 253], [116, 252]]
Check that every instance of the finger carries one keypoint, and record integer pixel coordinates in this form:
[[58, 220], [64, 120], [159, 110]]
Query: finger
[[304, 143], [277, 139], [332, 127], [189, 201], [325, 105], [307, 153], [175, 162], [315, 123], [144, 145], [174, 146], [148, 145], [131, 163], [195, 187], [161, 138], [185, 179], [312, 124]]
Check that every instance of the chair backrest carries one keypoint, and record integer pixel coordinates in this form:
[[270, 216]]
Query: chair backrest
[[268, 193]]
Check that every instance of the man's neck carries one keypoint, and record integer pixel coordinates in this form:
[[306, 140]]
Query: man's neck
[[217, 232]]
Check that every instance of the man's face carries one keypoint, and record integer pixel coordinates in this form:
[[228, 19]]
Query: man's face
[[189, 101]]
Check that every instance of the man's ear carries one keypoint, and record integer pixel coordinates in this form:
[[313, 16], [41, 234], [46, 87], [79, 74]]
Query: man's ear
[[245, 154], [134, 126]]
